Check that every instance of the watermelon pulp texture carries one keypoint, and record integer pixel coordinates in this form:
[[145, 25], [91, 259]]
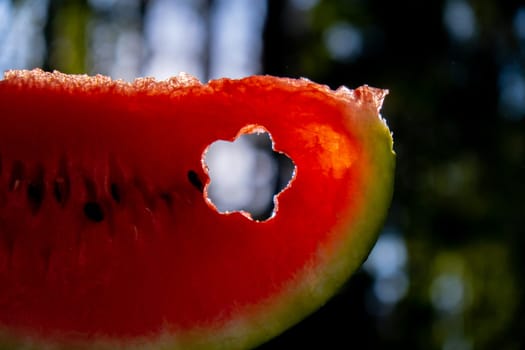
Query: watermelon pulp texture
[[105, 243]]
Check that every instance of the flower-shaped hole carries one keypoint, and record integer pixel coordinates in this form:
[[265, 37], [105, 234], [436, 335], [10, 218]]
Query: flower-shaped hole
[[247, 175]]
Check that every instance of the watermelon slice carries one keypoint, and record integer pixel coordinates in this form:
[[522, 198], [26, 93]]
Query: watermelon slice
[[106, 242]]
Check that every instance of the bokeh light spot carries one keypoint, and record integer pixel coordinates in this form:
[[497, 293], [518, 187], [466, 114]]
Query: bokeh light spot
[[512, 92], [447, 293], [519, 23], [387, 264], [459, 20], [343, 41]]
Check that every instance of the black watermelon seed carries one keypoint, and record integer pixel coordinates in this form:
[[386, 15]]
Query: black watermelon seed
[[35, 195], [93, 211], [35, 189], [167, 198], [195, 180], [115, 192], [61, 190]]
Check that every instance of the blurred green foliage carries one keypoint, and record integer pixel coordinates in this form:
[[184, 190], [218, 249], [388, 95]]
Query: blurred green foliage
[[66, 35]]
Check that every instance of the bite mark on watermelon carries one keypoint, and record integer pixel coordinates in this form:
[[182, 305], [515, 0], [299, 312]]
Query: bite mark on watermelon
[[149, 264], [279, 172]]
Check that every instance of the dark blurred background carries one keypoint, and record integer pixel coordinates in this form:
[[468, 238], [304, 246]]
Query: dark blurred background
[[447, 272]]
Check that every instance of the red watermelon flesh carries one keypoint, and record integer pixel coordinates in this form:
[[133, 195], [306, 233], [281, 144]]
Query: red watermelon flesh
[[105, 243]]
